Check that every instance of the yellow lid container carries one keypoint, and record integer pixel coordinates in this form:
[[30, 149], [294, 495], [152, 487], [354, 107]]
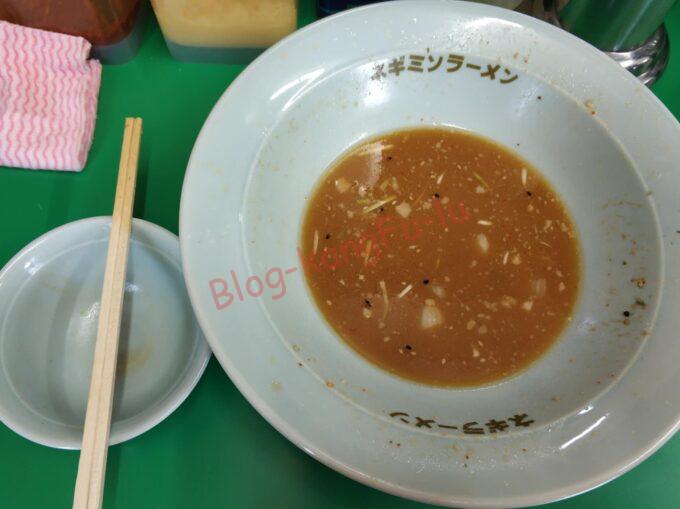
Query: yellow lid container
[[230, 31]]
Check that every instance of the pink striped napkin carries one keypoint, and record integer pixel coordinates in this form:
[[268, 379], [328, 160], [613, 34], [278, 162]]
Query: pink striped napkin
[[48, 98]]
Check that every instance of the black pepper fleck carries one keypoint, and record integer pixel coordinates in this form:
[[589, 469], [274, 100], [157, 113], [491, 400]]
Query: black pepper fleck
[[408, 347], [436, 195], [529, 193], [426, 281], [368, 303], [328, 236], [626, 313]]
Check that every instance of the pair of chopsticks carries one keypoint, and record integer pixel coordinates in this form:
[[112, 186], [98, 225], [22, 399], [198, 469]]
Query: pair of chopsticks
[[92, 466]]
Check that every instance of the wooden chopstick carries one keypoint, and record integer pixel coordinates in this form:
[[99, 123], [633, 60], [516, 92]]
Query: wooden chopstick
[[92, 465]]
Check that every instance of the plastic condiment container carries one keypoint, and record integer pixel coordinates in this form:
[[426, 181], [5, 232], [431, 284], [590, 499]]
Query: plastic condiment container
[[114, 27], [228, 31]]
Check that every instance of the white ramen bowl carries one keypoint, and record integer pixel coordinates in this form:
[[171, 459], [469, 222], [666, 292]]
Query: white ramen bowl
[[601, 400]]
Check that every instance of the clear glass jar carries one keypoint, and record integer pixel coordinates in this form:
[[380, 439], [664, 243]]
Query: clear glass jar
[[114, 27]]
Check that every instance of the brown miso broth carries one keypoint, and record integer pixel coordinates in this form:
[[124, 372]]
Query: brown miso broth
[[441, 256]]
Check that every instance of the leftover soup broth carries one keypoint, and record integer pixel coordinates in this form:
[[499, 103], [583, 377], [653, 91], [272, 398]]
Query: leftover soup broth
[[440, 256]]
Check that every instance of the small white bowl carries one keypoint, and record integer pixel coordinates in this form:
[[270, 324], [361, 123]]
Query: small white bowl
[[49, 307], [595, 405]]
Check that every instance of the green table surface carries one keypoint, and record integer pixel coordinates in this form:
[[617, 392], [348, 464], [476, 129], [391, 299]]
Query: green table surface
[[215, 450]]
